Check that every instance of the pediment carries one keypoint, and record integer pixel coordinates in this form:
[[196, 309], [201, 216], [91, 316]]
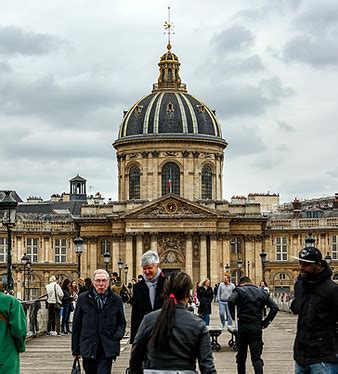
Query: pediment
[[171, 206]]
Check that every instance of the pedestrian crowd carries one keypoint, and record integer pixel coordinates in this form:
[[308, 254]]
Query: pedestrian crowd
[[166, 336]]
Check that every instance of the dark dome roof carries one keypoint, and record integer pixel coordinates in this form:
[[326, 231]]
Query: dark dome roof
[[166, 112]]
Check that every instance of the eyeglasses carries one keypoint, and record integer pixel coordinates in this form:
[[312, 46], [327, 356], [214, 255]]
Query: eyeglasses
[[100, 280]]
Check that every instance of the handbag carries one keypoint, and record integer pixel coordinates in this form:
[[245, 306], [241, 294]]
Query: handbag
[[76, 368]]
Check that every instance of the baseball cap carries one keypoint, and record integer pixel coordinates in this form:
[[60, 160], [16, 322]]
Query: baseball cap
[[310, 254]]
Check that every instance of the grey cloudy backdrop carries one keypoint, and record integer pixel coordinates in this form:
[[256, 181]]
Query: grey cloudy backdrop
[[68, 69]]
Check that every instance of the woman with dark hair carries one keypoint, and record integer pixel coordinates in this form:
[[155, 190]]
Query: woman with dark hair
[[66, 303], [172, 338]]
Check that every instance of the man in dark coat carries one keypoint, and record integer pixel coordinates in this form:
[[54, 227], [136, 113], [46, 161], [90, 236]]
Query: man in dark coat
[[251, 301], [98, 326], [148, 292], [316, 304]]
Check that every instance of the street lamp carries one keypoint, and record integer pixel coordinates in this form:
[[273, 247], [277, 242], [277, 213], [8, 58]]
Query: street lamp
[[310, 240], [239, 267], [263, 256], [106, 259], [120, 266], [8, 205], [227, 268], [25, 261], [78, 244], [125, 269]]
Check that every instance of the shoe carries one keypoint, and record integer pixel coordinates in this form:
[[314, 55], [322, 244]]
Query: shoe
[[59, 334], [48, 334]]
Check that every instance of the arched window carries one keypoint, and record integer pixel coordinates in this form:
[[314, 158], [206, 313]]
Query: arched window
[[170, 179], [134, 182], [206, 183]]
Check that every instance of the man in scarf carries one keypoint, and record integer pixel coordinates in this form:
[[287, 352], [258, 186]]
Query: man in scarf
[[98, 326], [147, 293]]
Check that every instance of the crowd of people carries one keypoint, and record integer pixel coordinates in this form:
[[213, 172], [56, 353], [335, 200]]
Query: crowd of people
[[165, 336]]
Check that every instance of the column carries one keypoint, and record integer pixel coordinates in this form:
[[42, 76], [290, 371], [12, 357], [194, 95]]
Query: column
[[214, 259], [129, 255], [153, 242], [188, 254], [92, 256], [139, 253], [115, 252], [226, 251], [203, 257]]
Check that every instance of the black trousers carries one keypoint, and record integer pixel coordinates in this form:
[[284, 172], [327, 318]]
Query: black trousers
[[100, 365], [249, 335]]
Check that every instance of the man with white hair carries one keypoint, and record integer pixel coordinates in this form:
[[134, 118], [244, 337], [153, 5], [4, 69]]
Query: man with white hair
[[98, 326], [148, 292]]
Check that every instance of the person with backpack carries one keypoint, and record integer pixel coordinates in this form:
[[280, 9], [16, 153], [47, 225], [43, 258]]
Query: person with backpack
[[120, 289]]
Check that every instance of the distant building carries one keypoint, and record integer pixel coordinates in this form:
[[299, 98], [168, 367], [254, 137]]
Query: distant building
[[269, 202]]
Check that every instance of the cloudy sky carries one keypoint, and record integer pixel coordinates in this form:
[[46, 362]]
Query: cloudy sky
[[68, 69]]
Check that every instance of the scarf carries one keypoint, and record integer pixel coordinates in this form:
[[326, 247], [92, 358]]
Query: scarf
[[152, 284], [100, 298]]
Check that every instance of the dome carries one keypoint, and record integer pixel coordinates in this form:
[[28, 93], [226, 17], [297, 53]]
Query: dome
[[169, 110]]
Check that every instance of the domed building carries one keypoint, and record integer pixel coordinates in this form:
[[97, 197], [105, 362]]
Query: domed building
[[170, 142], [170, 154]]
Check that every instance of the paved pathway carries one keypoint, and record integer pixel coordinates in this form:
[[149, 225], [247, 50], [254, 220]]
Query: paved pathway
[[51, 354]]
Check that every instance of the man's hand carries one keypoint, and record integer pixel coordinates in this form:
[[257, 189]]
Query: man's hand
[[76, 356], [265, 324]]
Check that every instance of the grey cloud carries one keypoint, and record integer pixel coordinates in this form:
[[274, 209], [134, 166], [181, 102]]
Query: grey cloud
[[243, 140], [285, 126], [241, 99], [4, 67], [267, 163], [233, 39], [313, 51], [14, 40]]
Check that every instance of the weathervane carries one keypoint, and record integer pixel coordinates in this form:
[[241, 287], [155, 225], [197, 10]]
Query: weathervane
[[168, 28]]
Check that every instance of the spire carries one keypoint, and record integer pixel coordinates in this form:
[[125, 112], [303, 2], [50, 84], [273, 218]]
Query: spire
[[169, 78]]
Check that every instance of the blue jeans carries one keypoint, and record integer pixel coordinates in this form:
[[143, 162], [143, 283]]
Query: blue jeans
[[318, 368], [224, 311], [206, 319]]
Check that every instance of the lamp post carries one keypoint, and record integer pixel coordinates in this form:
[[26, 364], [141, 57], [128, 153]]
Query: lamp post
[[24, 261], [8, 205], [106, 259], [239, 267], [120, 266], [310, 240], [263, 255], [78, 245], [227, 268], [125, 269]]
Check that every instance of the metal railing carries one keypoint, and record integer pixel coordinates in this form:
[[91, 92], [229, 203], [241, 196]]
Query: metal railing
[[37, 316]]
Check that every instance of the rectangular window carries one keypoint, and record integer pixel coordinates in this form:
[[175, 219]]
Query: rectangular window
[[60, 250], [32, 249], [3, 249], [281, 248], [236, 245], [105, 246], [334, 248]]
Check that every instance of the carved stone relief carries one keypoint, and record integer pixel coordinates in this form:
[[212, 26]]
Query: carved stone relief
[[169, 242]]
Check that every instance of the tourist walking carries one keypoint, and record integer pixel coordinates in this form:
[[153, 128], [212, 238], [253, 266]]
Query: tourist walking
[[223, 293], [316, 304], [205, 296], [148, 292], [98, 326], [54, 300], [12, 334], [66, 306], [172, 339], [250, 301]]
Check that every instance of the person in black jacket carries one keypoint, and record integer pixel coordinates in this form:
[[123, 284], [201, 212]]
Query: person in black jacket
[[205, 296], [316, 304], [66, 304], [250, 301], [98, 326], [148, 292], [172, 338]]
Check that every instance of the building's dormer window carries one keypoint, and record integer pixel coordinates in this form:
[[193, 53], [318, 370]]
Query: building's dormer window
[[170, 107], [138, 109], [201, 108], [313, 214]]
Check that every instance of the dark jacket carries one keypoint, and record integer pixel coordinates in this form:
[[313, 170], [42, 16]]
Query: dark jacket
[[316, 303], [250, 301], [67, 299], [141, 303], [205, 297], [189, 341], [92, 325]]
